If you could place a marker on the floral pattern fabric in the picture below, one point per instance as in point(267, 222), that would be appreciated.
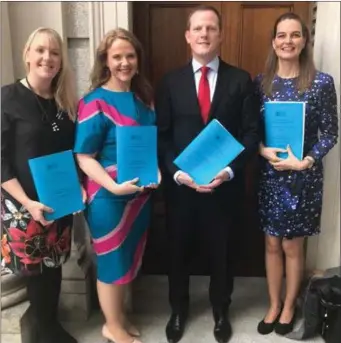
point(26, 245)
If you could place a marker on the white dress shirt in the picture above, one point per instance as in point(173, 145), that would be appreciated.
point(212, 76)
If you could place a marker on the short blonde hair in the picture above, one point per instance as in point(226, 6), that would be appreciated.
point(63, 86)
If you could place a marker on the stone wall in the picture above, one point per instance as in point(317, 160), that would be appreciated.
point(76, 19)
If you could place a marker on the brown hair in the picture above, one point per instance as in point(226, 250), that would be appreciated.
point(203, 8)
point(63, 87)
point(100, 73)
point(306, 62)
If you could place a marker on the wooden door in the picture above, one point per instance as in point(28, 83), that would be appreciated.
point(247, 26)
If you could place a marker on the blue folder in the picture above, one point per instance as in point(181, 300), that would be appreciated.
point(284, 125)
point(57, 184)
point(137, 154)
point(209, 153)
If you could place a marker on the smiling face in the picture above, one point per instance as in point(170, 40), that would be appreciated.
point(203, 35)
point(44, 56)
point(289, 41)
point(122, 61)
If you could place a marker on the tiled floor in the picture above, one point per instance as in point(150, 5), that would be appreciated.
point(151, 313)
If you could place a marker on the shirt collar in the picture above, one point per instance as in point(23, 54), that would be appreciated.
point(214, 64)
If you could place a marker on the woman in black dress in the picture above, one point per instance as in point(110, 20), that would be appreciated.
point(37, 115)
point(290, 196)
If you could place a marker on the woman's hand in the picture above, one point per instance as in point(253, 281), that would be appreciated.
point(84, 199)
point(156, 185)
point(84, 195)
point(36, 210)
point(128, 187)
point(291, 163)
point(270, 154)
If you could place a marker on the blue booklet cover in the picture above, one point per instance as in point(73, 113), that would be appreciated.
point(57, 184)
point(210, 152)
point(137, 154)
point(284, 124)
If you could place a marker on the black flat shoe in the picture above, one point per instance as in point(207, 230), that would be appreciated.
point(264, 328)
point(285, 328)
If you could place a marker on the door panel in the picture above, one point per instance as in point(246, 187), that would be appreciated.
point(247, 26)
point(160, 26)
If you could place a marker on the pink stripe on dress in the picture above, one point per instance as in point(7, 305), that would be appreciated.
point(117, 236)
point(93, 187)
point(132, 272)
point(88, 110)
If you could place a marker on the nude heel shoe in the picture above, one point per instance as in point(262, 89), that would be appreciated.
point(132, 329)
point(107, 335)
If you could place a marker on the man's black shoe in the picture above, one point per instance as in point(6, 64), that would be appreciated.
point(222, 328)
point(175, 327)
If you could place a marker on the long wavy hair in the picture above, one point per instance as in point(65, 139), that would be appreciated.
point(62, 86)
point(100, 73)
point(306, 63)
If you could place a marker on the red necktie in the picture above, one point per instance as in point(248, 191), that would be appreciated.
point(204, 94)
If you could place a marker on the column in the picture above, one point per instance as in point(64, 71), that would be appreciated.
point(324, 250)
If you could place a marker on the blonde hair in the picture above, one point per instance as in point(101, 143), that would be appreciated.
point(62, 85)
point(100, 73)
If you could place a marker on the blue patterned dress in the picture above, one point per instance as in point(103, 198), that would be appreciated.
point(290, 202)
point(118, 224)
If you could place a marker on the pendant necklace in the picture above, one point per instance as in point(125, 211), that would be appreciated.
point(45, 117)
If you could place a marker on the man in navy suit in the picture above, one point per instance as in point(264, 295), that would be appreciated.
point(186, 100)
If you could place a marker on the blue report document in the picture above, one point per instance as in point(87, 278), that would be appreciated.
point(137, 154)
point(209, 153)
point(284, 125)
point(56, 180)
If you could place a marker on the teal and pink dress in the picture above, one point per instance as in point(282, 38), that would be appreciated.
point(118, 224)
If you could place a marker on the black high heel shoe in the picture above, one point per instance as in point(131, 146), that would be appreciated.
point(285, 328)
point(266, 328)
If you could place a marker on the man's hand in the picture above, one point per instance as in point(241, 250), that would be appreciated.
point(221, 177)
point(185, 179)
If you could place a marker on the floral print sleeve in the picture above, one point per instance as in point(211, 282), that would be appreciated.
point(327, 116)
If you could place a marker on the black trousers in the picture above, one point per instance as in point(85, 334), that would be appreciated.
point(204, 218)
point(43, 293)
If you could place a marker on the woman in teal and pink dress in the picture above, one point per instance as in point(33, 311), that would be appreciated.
point(117, 214)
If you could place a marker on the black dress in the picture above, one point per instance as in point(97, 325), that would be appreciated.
point(31, 126)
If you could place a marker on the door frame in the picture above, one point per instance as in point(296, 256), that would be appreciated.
point(104, 16)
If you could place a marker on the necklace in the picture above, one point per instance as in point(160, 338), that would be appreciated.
point(45, 116)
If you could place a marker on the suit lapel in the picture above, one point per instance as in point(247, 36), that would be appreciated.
point(190, 89)
point(220, 89)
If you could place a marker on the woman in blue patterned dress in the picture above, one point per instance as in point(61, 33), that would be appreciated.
point(290, 197)
point(117, 214)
